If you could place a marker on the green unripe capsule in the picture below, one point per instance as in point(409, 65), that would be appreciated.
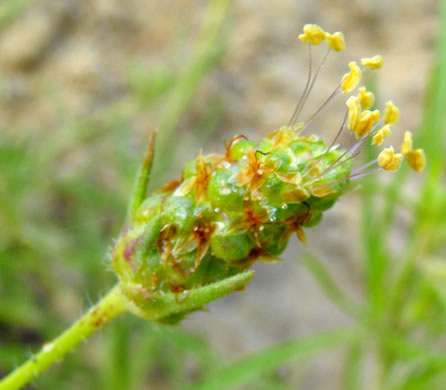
point(222, 191)
point(231, 246)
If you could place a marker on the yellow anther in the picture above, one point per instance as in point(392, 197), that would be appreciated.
point(365, 123)
point(373, 62)
point(390, 161)
point(406, 147)
point(416, 159)
point(335, 41)
point(354, 109)
point(366, 98)
point(351, 79)
point(391, 113)
point(313, 34)
point(381, 135)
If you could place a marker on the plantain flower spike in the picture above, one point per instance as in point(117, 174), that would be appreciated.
point(194, 239)
point(351, 79)
point(335, 41)
point(391, 113)
point(366, 98)
point(373, 62)
point(313, 34)
point(390, 161)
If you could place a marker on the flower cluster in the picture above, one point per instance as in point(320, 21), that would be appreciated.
point(363, 122)
point(229, 210)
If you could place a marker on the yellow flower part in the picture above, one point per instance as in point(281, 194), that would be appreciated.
point(354, 109)
point(373, 62)
point(391, 113)
point(365, 122)
point(416, 159)
point(390, 161)
point(313, 34)
point(351, 79)
point(335, 41)
point(406, 147)
point(366, 98)
point(381, 135)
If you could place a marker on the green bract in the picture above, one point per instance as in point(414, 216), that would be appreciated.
point(226, 212)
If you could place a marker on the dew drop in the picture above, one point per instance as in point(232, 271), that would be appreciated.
point(284, 206)
point(217, 210)
point(47, 347)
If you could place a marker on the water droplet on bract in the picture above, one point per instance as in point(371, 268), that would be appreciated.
point(272, 219)
point(217, 210)
point(284, 206)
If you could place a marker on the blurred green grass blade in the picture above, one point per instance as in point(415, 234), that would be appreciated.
point(210, 49)
point(352, 370)
point(10, 9)
point(246, 369)
point(331, 290)
point(117, 361)
point(374, 244)
point(432, 138)
point(433, 134)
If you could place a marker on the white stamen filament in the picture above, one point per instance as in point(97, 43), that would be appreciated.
point(299, 103)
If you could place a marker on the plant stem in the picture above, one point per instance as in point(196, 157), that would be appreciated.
point(111, 306)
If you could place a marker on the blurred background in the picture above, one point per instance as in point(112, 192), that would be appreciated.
point(83, 83)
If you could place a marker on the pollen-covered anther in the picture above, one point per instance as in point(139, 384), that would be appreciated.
point(351, 80)
point(389, 161)
point(406, 146)
point(416, 159)
point(374, 62)
point(366, 121)
point(335, 41)
point(313, 34)
point(354, 109)
point(381, 135)
point(391, 113)
point(366, 98)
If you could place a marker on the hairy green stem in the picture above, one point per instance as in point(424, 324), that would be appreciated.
point(165, 306)
point(111, 306)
